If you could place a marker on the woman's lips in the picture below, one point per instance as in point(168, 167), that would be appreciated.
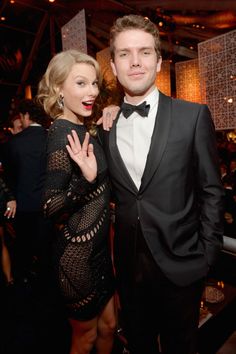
point(88, 105)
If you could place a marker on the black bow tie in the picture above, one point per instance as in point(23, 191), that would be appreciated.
point(142, 109)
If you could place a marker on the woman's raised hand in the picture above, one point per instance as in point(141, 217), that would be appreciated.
point(83, 155)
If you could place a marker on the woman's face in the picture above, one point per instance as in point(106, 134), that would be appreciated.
point(80, 90)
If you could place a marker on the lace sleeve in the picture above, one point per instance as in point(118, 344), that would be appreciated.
point(65, 187)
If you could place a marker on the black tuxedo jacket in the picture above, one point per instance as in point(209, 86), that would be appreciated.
point(180, 201)
point(26, 166)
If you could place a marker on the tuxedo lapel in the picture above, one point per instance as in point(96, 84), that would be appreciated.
point(159, 139)
point(118, 165)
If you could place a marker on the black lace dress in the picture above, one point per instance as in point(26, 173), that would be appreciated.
point(80, 212)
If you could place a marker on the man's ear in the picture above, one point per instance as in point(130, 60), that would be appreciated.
point(159, 64)
point(113, 67)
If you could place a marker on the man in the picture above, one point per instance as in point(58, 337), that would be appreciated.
point(164, 169)
point(15, 124)
point(165, 175)
point(25, 170)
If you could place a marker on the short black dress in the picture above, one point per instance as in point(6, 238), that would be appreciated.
point(80, 212)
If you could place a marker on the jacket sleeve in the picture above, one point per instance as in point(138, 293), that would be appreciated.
point(210, 189)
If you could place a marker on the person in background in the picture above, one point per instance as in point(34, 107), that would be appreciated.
point(230, 207)
point(25, 170)
point(232, 171)
point(7, 210)
point(76, 199)
point(7, 203)
point(163, 165)
point(15, 124)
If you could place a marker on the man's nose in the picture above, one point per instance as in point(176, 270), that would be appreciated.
point(135, 60)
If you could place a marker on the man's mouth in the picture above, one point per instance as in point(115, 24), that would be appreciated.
point(136, 74)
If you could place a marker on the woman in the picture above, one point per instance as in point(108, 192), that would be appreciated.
point(8, 210)
point(78, 202)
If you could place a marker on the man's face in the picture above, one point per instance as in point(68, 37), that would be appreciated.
point(135, 63)
point(25, 120)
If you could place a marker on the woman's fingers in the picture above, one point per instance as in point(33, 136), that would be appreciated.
point(74, 147)
point(85, 142)
point(10, 210)
point(74, 141)
point(109, 114)
point(90, 149)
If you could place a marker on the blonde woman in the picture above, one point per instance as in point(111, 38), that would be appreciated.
point(77, 199)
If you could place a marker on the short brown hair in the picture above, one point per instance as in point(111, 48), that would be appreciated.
point(134, 22)
point(35, 111)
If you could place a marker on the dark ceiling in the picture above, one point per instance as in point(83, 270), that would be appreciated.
point(30, 32)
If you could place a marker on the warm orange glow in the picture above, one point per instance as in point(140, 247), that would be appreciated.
point(51, 0)
point(188, 81)
point(28, 93)
point(3, 18)
point(12, 1)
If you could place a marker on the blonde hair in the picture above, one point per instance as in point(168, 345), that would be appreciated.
point(130, 22)
point(57, 72)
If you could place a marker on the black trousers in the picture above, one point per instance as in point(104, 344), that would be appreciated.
point(153, 306)
point(32, 243)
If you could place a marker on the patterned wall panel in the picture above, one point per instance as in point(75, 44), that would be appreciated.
point(163, 78)
point(73, 33)
point(217, 69)
point(188, 81)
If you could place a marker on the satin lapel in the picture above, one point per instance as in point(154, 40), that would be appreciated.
point(159, 139)
point(120, 169)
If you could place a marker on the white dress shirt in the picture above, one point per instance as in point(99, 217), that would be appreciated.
point(134, 138)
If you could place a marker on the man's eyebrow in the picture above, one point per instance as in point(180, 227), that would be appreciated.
point(128, 49)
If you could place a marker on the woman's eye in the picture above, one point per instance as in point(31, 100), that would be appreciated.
point(80, 83)
point(95, 84)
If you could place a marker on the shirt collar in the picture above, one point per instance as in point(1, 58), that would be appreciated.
point(35, 125)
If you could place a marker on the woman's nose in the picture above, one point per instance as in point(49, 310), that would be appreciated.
point(93, 90)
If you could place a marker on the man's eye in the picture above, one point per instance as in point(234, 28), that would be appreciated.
point(146, 52)
point(123, 54)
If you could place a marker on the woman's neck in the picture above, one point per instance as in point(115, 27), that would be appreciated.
point(76, 120)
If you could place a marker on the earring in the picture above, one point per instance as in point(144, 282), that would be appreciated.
point(60, 101)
